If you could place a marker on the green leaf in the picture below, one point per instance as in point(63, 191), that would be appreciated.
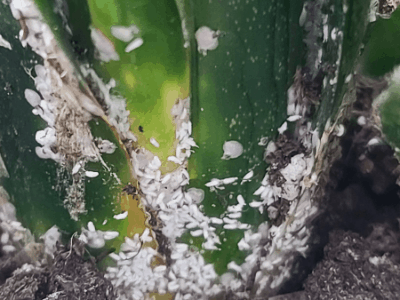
point(239, 94)
point(32, 184)
point(390, 112)
point(152, 77)
point(38, 186)
point(349, 21)
point(381, 53)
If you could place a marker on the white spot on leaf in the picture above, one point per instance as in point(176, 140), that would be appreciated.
point(232, 149)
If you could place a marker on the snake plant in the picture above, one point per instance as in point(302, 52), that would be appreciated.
point(189, 88)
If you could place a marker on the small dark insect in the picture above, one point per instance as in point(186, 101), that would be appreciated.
point(130, 189)
point(141, 128)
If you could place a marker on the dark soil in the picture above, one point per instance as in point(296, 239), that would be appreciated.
point(361, 209)
point(68, 277)
point(349, 272)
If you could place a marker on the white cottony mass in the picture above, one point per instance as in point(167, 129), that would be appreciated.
point(207, 39)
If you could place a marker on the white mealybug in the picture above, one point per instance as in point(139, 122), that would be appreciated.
point(173, 286)
point(234, 208)
point(303, 15)
point(32, 97)
point(8, 248)
point(154, 142)
point(361, 121)
point(91, 174)
point(230, 226)
point(241, 200)
point(233, 266)
point(122, 255)
point(46, 136)
point(90, 105)
point(339, 130)
point(294, 118)
point(136, 43)
point(244, 226)
point(235, 215)
point(4, 43)
point(229, 221)
point(242, 245)
point(109, 235)
point(114, 256)
point(373, 141)
point(91, 227)
point(255, 204)
point(348, 78)
point(271, 147)
point(326, 33)
point(121, 216)
point(174, 159)
point(4, 238)
point(216, 220)
point(76, 168)
point(198, 232)
point(160, 198)
point(124, 33)
point(160, 269)
point(155, 164)
point(259, 191)
point(334, 34)
point(229, 180)
point(145, 236)
point(283, 128)
point(105, 48)
point(213, 182)
point(181, 247)
point(248, 175)
point(166, 178)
